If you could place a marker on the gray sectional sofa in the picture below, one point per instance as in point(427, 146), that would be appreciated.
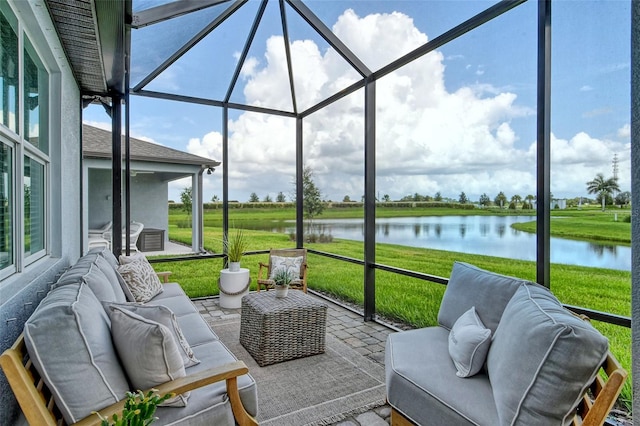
point(70, 340)
point(519, 359)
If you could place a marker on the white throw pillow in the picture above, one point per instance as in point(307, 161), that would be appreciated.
point(140, 278)
point(469, 342)
point(148, 351)
point(165, 316)
point(290, 264)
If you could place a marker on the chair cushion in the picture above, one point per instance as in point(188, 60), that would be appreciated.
point(469, 342)
point(471, 286)
point(422, 384)
point(162, 315)
point(69, 342)
point(291, 264)
point(148, 351)
point(541, 359)
point(141, 279)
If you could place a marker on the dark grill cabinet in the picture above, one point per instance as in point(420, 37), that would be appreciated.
point(151, 239)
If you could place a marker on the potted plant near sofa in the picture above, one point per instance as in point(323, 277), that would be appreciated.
point(236, 245)
point(234, 281)
point(282, 278)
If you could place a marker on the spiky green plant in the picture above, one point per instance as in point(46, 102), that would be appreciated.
point(282, 276)
point(237, 244)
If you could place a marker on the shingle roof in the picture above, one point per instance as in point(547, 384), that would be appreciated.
point(96, 143)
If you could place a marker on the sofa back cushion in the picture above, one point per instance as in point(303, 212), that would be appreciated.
point(87, 271)
point(541, 359)
point(106, 255)
point(471, 286)
point(69, 342)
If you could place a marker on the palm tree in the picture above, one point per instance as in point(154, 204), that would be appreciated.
point(603, 187)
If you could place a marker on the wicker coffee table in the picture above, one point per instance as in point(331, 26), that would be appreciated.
point(274, 330)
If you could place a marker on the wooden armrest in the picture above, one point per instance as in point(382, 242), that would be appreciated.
point(164, 275)
point(228, 372)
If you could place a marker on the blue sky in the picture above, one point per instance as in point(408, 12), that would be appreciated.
point(459, 119)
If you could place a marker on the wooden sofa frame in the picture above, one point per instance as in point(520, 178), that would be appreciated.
point(595, 405)
point(40, 409)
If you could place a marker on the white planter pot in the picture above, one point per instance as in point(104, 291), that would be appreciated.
point(233, 285)
point(234, 266)
point(281, 290)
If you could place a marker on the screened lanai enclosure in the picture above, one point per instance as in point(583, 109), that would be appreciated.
point(345, 87)
point(380, 99)
point(212, 54)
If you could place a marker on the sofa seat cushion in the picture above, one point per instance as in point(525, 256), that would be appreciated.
point(69, 342)
point(174, 298)
point(471, 286)
point(210, 405)
point(195, 329)
point(541, 359)
point(422, 383)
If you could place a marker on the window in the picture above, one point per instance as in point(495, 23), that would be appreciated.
point(36, 88)
point(9, 69)
point(24, 147)
point(6, 207)
point(33, 206)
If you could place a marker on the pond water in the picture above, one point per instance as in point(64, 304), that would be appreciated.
point(487, 235)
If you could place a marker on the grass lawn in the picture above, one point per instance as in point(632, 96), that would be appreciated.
point(407, 299)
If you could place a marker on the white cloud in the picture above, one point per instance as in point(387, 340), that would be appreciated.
point(428, 139)
point(586, 88)
point(625, 131)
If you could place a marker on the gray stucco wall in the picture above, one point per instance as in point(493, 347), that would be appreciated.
point(149, 202)
point(148, 199)
point(635, 196)
point(21, 293)
point(99, 197)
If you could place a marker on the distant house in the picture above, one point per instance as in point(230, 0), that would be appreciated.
point(152, 167)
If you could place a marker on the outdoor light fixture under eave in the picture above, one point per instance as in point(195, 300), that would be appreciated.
point(210, 170)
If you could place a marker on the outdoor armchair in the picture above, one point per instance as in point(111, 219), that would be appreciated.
point(135, 231)
point(99, 232)
point(295, 260)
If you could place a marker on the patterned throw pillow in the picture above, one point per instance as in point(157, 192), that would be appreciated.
point(141, 279)
point(291, 264)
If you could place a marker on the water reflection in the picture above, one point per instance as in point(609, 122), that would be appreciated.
point(490, 235)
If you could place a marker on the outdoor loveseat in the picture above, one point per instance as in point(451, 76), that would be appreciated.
point(86, 345)
point(505, 352)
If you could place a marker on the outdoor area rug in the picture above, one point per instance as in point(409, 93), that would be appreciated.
point(316, 390)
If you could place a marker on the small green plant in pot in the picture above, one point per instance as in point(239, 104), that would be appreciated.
point(236, 245)
point(139, 409)
point(282, 278)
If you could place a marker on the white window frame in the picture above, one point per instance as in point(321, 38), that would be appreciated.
point(21, 147)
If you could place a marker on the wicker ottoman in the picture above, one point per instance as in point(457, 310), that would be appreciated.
point(275, 330)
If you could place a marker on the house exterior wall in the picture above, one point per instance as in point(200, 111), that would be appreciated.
point(21, 292)
point(148, 199)
point(99, 198)
point(149, 202)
